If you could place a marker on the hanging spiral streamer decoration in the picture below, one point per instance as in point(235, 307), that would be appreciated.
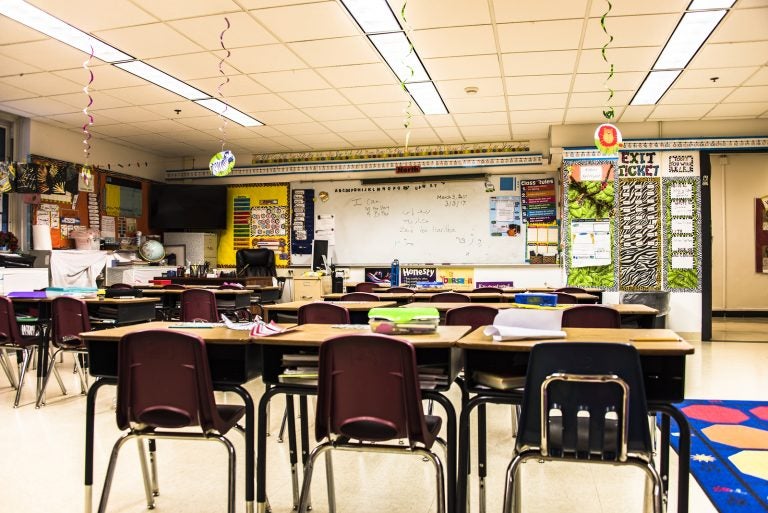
point(408, 116)
point(608, 139)
point(608, 112)
point(85, 170)
point(223, 162)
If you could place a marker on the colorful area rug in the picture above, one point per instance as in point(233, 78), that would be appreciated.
point(729, 452)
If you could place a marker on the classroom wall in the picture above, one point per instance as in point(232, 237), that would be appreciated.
point(737, 179)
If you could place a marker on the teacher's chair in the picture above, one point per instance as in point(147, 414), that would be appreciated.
point(368, 393)
point(164, 385)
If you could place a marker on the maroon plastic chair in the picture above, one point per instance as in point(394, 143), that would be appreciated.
point(323, 313)
point(120, 286)
point(591, 316)
point(368, 391)
point(199, 305)
point(70, 318)
point(564, 298)
point(570, 290)
point(366, 286)
point(400, 290)
point(488, 289)
point(163, 385)
point(449, 297)
point(359, 296)
point(471, 315)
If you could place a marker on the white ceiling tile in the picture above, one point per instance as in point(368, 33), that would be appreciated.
point(456, 88)
point(538, 84)
point(118, 129)
point(160, 126)
point(319, 20)
point(91, 16)
point(41, 106)
point(375, 94)
point(748, 4)
point(205, 122)
point(144, 41)
point(382, 110)
point(100, 100)
point(748, 94)
point(74, 121)
point(44, 84)
point(486, 118)
point(143, 94)
point(350, 125)
point(537, 101)
point(105, 76)
point(584, 115)
point(323, 141)
point(9, 66)
point(291, 80)
point(537, 116)
point(442, 13)
point(530, 130)
point(718, 55)
point(726, 77)
point(507, 11)
point(475, 104)
point(395, 122)
point(129, 114)
point(599, 99)
point(295, 129)
point(192, 65)
point(674, 112)
point(336, 52)
point(448, 133)
point(333, 113)
point(539, 63)
point(289, 142)
point(173, 9)
point(741, 25)
point(589, 82)
point(488, 133)
point(736, 110)
point(232, 131)
point(441, 120)
point(48, 54)
point(415, 136)
point(283, 117)
point(316, 98)
point(682, 96)
point(359, 75)
point(265, 58)
point(454, 41)
point(12, 31)
point(627, 31)
point(759, 78)
point(448, 68)
point(636, 113)
point(8, 92)
point(363, 136)
point(187, 109)
point(266, 131)
point(256, 103)
point(623, 59)
point(540, 35)
point(644, 7)
point(206, 31)
point(238, 85)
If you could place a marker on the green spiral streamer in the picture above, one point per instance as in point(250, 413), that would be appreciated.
point(608, 112)
point(408, 115)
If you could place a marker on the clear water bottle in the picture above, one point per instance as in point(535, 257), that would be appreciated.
point(394, 273)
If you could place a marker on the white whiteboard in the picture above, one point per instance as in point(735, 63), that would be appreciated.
point(417, 223)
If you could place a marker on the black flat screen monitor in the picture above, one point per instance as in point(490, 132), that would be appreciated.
point(187, 207)
point(319, 254)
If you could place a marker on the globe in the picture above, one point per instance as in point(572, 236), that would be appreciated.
point(151, 251)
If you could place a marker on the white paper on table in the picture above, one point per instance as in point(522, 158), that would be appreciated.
point(682, 225)
point(501, 333)
point(682, 262)
point(682, 209)
point(679, 243)
point(533, 318)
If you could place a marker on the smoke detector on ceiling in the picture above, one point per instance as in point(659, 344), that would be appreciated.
point(471, 90)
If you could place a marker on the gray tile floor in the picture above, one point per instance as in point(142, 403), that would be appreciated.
point(42, 454)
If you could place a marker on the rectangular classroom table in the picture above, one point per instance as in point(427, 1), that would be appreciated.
point(433, 349)
point(226, 299)
point(400, 297)
point(358, 310)
point(662, 356)
point(233, 358)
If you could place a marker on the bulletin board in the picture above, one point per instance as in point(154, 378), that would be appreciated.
point(257, 216)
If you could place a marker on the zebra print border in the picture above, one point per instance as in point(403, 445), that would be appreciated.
point(639, 230)
point(682, 280)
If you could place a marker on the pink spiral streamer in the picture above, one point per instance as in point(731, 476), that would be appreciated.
point(89, 116)
point(223, 127)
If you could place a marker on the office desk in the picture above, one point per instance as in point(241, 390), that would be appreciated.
point(112, 311)
point(233, 359)
point(663, 365)
point(358, 310)
point(434, 349)
point(400, 298)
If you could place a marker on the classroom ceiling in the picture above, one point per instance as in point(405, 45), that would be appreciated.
point(306, 70)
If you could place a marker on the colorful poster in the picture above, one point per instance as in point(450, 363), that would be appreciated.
point(539, 201)
point(505, 216)
point(456, 276)
point(409, 276)
point(639, 207)
point(590, 242)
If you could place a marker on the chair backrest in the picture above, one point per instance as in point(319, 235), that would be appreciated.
point(449, 297)
point(174, 286)
point(488, 289)
point(123, 292)
point(70, 318)
point(323, 313)
point(255, 262)
point(655, 299)
point(120, 286)
point(400, 290)
point(9, 328)
point(163, 380)
point(199, 304)
point(591, 316)
point(471, 315)
point(569, 290)
point(368, 389)
point(588, 358)
point(366, 286)
point(563, 298)
point(359, 296)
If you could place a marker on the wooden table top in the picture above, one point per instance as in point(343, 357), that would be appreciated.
point(381, 295)
point(92, 300)
point(581, 296)
point(352, 306)
point(647, 341)
point(213, 335)
point(315, 334)
point(161, 292)
point(473, 295)
point(623, 308)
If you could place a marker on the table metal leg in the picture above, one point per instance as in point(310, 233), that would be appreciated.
point(683, 453)
point(250, 422)
point(481, 454)
point(450, 413)
point(90, 412)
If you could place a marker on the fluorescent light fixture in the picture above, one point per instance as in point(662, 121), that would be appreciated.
point(41, 21)
point(426, 96)
point(690, 34)
point(703, 5)
point(397, 51)
point(219, 107)
point(654, 87)
point(372, 15)
point(164, 80)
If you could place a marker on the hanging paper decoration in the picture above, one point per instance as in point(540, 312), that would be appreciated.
point(88, 115)
point(608, 112)
point(222, 163)
point(407, 110)
point(608, 139)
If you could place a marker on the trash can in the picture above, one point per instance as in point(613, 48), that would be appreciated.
point(658, 299)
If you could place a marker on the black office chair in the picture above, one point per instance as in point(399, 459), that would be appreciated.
point(255, 262)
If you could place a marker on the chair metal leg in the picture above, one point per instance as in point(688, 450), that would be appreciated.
point(231, 472)
point(26, 358)
point(153, 467)
point(330, 483)
point(111, 471)
point(282, 426)
point(82, 374)
point(511, 492)
point(308, 470)
point(145, 474)
point(4, 363)
point(655, 491)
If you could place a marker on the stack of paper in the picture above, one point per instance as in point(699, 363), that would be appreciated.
point(522, 323)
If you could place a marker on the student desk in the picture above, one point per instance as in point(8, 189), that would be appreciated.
point(581, 297)
point(663, 365)
point(488, 297)
point(400, 297)
point(358, 310)
point(112, 311)
point(434, 349)
point(225, 298)
point(233, 359)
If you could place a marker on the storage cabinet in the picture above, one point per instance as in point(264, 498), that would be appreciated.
point(311, 287)
point(200, 247)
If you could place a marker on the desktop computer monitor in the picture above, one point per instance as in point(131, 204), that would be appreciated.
point(319, 254)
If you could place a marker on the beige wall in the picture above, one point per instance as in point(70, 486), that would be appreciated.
point(735, 185)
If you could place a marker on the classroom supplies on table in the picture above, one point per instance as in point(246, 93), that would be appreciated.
point(391, 321)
